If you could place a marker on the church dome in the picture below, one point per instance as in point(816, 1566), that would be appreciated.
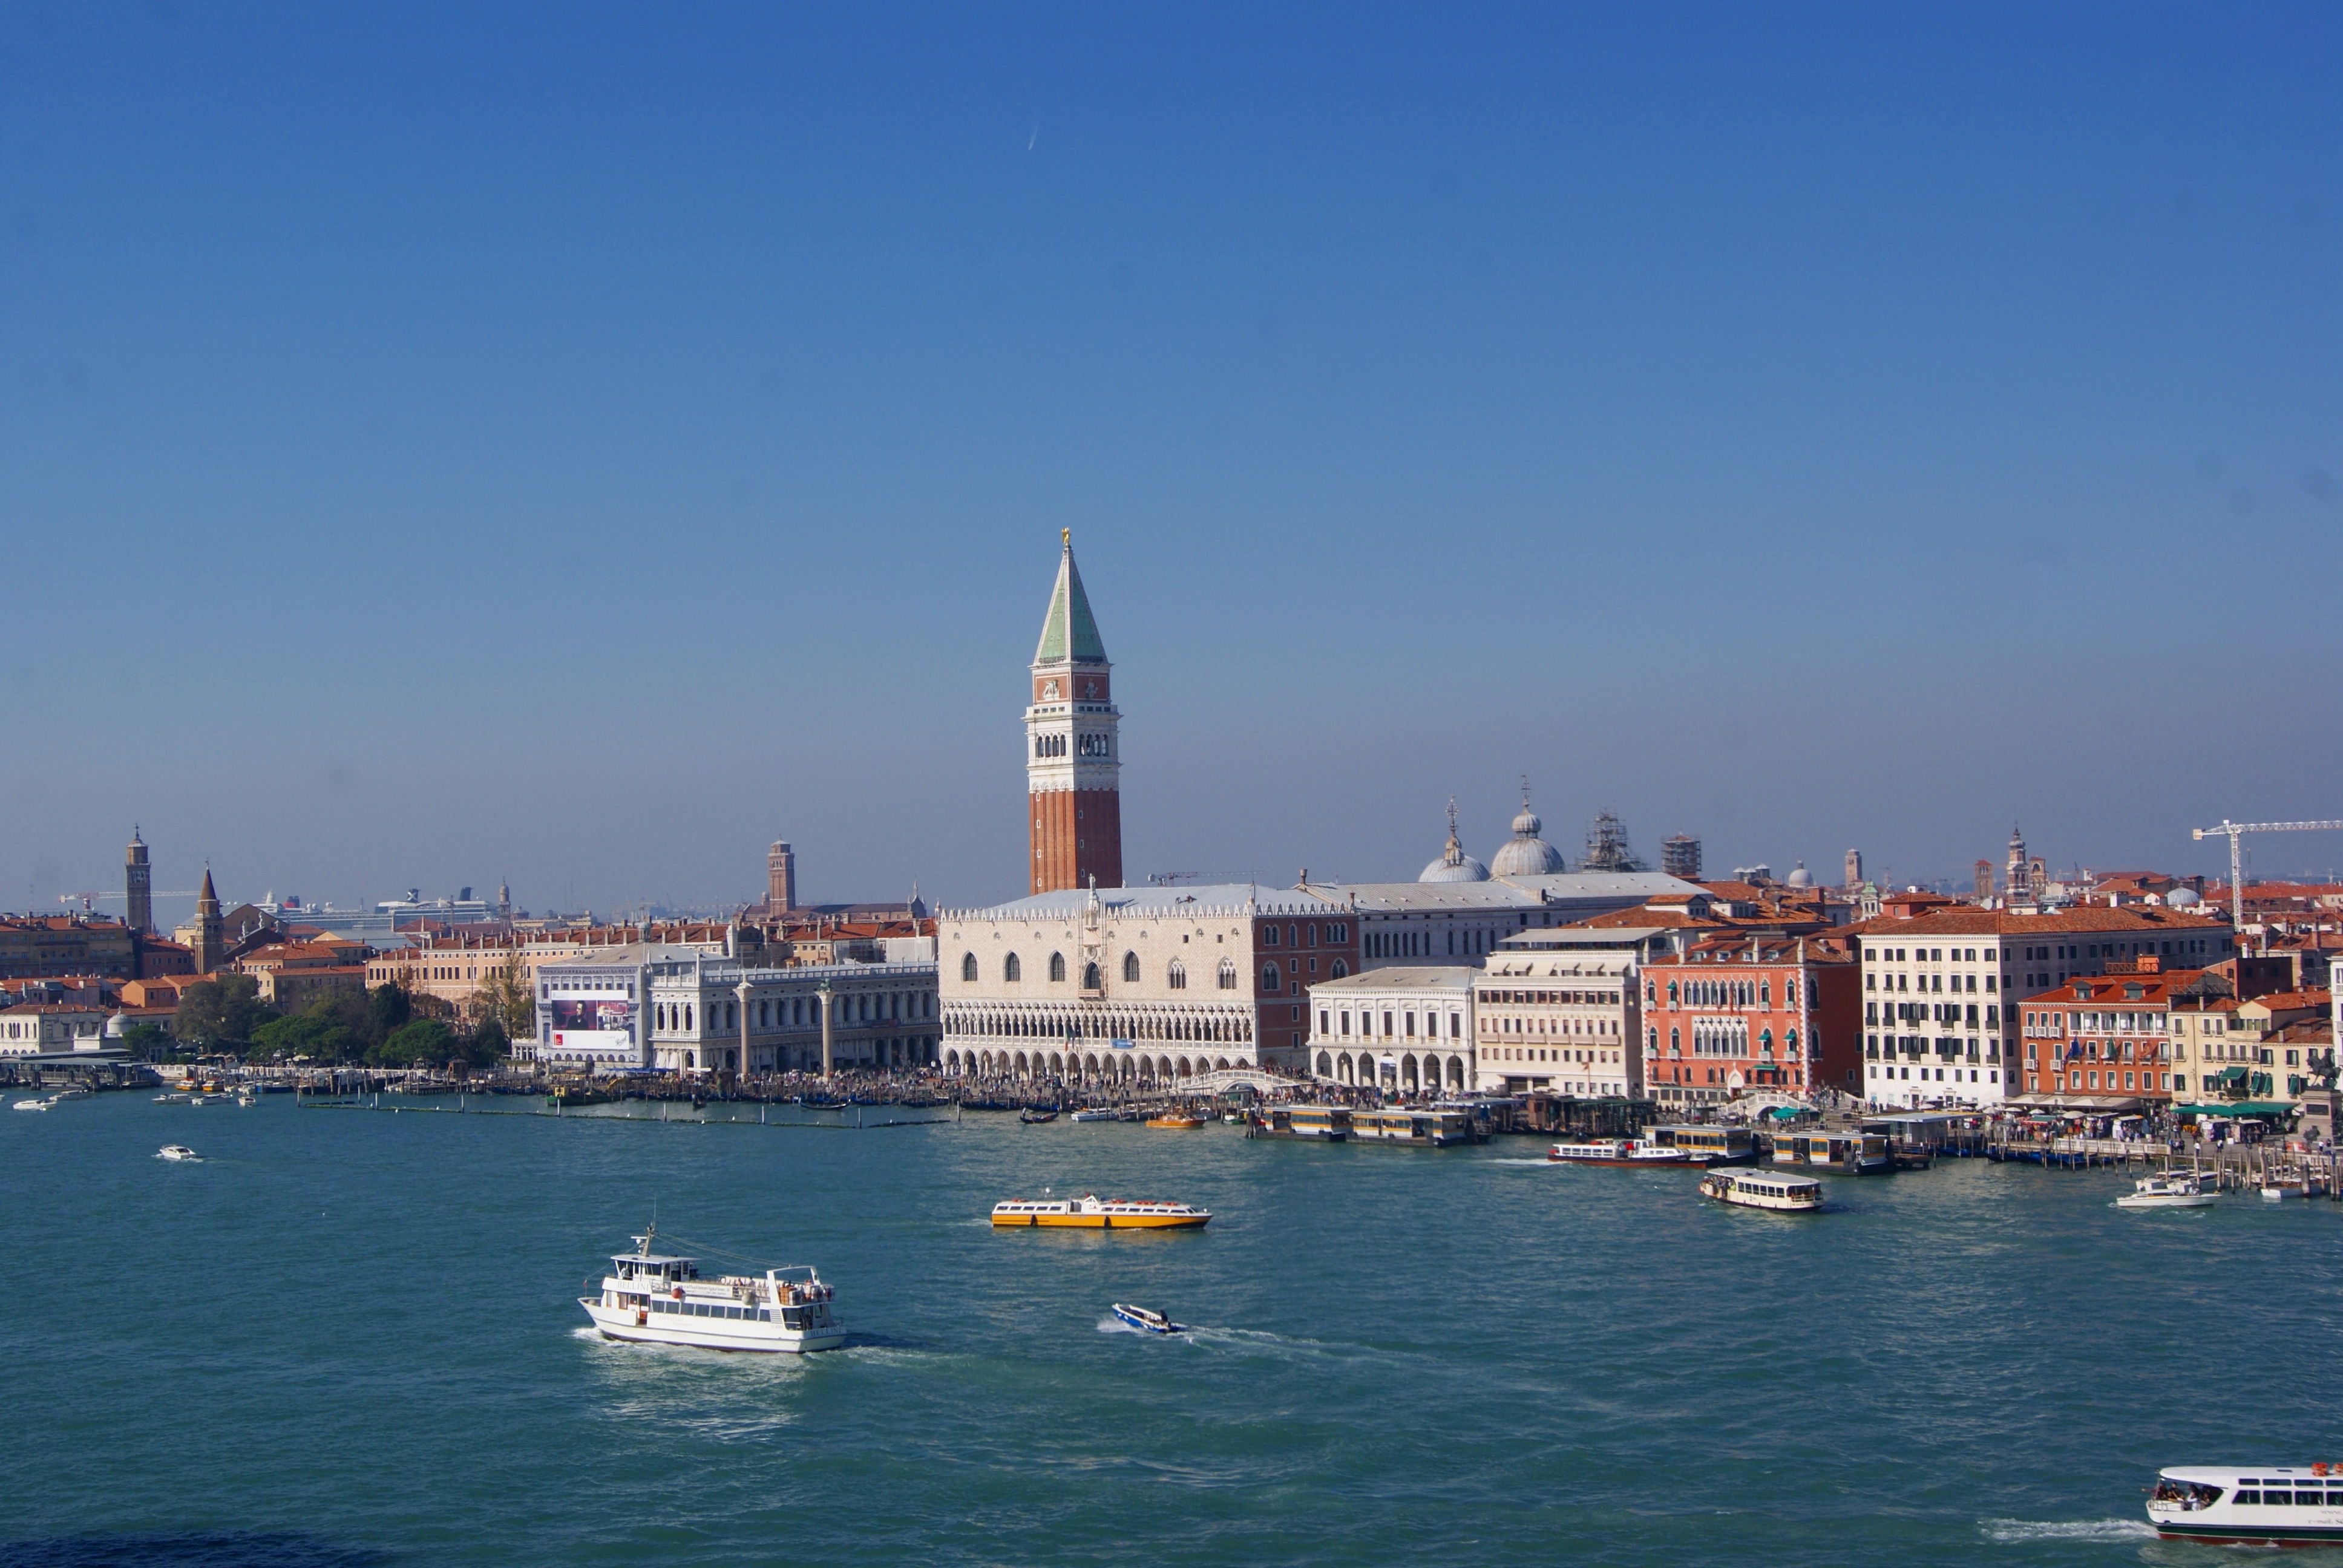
point(1525, 854)
point(1801, 877)
point(1454, 865)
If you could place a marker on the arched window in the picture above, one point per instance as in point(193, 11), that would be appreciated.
point(1177, 976)
point(1765, 993)
point(1671, 993)
point(1341, 969)
point(1228, 976)
point(1270, 980)
point(1056, 966)
point(1675, 1041)
point(1089, 977)
point(1131, 968)
point(1010, 970)
point(968, 967)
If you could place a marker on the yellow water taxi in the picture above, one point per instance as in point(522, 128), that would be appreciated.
point(1091, 1211)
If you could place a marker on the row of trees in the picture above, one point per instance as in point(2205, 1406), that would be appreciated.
point(383, 1027)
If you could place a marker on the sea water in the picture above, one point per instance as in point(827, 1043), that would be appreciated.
point(352, 1337)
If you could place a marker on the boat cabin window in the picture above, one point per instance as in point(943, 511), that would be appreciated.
point(2249, 1497)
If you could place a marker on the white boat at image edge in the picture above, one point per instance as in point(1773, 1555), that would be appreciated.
point(2173, 1190)
point(2259, 1505)
point(658, 1297)
point(1763, 1189)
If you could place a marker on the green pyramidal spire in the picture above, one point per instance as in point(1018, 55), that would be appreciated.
point(1068, 632)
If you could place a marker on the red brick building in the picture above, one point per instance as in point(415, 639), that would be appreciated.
point(1735, 1014)
point(1073, 763)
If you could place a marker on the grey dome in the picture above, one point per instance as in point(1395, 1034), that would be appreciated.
point(1801, 877)
point(1525, 854)
point(1464, 868)
point(1454, 865)
point(2182, 898)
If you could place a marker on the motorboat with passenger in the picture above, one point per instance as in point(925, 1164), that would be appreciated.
point(176, 1151)
point(1148, 1321)
point(659, 1298)
point(1176, 1122)
point(2172, 1190)
point(2260, 1506)
point(1092, 1213)
point(1615, 1151)
point(32, 1105)
point(1763, 1189)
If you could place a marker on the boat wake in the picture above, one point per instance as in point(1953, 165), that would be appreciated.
point(1515, 1159)
point(2007, 1531)
point(1110, 1324)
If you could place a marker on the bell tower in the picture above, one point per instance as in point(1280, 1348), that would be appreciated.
point(1073, 759)
point(138, 886)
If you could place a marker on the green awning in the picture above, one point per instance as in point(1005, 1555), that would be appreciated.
point(2230, 1075)
point(1782, 1112)
point(2239, 1108)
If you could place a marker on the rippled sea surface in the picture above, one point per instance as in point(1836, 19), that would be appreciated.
point(351, 1337)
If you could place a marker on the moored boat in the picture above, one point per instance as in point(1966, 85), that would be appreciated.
point(1763, 1189)
point(659, 1298)
point(1175, 1122)
point(1414, 1128)
point(1093, 1114)
point(1848, 1154)
point(2260, 1506)
point(2173, 1190)
point(1310, 1123)
point(1091, 1213)
point(1615, 1151)
point(1148, 1321)
point(1708, 1145)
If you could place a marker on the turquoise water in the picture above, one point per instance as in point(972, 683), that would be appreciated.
point(350, 1337)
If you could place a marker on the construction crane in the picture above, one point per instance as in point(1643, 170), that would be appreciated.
point(2236, 831)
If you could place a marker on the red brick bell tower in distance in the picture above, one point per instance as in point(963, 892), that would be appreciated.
point(1072, 760)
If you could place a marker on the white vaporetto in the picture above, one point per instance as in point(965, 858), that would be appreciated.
point(659, 1298)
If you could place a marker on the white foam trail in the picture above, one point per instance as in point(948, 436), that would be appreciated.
point(2015, 1530)
point(1110, 1324)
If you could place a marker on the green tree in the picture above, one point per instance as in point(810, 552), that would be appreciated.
point(387, 1008)
point(220, 1014)
point(147, 1041)
point(508, 1000)
point(418, 1042)
point(316, 1034)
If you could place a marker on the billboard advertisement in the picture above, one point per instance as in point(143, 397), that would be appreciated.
point(600, 1026)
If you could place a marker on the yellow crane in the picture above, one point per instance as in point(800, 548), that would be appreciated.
point(2237, 861)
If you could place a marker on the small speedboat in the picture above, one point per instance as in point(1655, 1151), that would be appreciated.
point(1148, 1321)
point(2173, 1190)
point(1034, 1116)
point(176, 1151)
point(1091, 1116)
point(32, 1105)
point(1181, 1123)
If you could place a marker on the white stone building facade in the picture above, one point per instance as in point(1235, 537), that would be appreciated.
point(1403, 1029)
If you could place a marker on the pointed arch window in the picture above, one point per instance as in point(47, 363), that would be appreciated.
point(1089, 977)
point(1341, 969)
point(1131, 968)
point(1270, 980)
point(1010, 970)
point(1228, 976)
point(1177, 976)
point(1056, 966)
point(968, 967)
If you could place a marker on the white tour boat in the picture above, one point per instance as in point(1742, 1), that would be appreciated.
point(2173, 1190)
point(659, 1298)
point(176, 1151)
point(1763, 1189)
point(2262, 1505)
point(1616, 1151)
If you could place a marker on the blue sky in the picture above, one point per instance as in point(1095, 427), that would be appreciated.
point(579, 445)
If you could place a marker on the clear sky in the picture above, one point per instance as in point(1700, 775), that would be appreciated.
point(579, 445)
